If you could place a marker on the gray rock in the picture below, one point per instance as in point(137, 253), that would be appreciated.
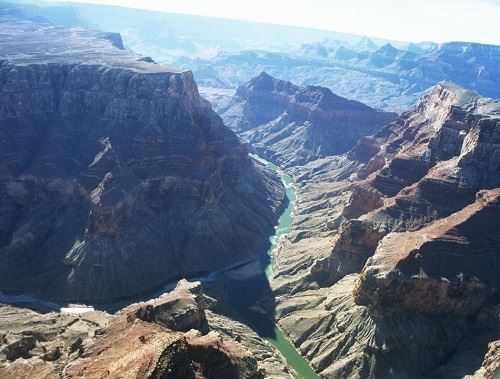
point(116, 177)
point(293, 125)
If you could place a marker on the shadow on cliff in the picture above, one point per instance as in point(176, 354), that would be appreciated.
point(252, 298)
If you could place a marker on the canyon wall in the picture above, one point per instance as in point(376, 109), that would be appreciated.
point(293, 125)
point(115, 176)
point(391, 268)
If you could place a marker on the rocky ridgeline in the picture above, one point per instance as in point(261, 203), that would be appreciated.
point(164, 338)
point(428, 164)
point(385, 77)
point(115, 175)
point(293, 125)
point(391, 268)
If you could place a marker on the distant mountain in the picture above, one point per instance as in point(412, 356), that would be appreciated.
point(389, 77)
point(293, 125)
point(168, 36)
point(366, 44)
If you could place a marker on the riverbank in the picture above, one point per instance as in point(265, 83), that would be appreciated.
point(245, 288)
point(259, 321)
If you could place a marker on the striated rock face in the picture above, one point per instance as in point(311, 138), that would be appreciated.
point(343, 339)
point(293, 125)
point(115, 175)
point(391, 267)
point(426, 165)
point(450, 266)
point(96, 345)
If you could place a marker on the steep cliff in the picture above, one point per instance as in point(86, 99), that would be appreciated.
point(391, 266)
point(292, 125)
point(116, 176)
point(450, 266)
point(429, 163)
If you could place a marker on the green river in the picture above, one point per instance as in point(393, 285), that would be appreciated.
point(295, 361)
point(242, 294)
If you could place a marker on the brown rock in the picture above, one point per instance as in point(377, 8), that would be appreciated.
point(292, 125)
point(450, 266)
point(129, 346)
point(116, 176)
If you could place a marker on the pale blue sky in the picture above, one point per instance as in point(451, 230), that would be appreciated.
point(405, 20)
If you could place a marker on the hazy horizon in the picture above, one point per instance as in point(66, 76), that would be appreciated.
point(427, 20)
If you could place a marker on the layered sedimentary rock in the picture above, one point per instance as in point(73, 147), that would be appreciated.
point(115, 175)
point(292, 125)
point(168, 342)
point(450, 266)
point(391, 268)
point(426, 165)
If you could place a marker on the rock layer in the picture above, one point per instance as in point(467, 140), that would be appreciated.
point(426, 165)
point(390, 269)
point(293, 125)
point(450, 266)
point(115, 176)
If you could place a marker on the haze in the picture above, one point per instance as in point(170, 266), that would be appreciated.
point(425, 20)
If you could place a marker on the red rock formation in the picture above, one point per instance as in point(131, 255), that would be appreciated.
point(97, 345)
point(293, 125)
point(435, 158)
point(391, 268)
point(449, 266)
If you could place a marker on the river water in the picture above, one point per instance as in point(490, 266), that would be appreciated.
point(243, 299)
point(242, 294)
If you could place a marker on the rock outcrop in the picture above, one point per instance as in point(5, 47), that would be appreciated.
point(115, 175)
point(292, 125)
point(391, 267)
point(450, 266)
point(426, 165)
point(128, 344)
point(490, 369)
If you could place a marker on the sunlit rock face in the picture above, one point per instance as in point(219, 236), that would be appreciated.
point(292, 125)
point(426, 165)
point(392, 260)
point(116, 176)
point(166, 337)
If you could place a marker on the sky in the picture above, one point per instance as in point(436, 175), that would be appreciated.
point(403, 20)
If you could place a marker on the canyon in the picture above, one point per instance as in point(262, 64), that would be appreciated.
point(293, 125)
point(116, 176)
point(175, 336)
point(391, 266)
point(295, 233)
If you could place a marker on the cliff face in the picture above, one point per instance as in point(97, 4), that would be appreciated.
point(116, 176)
point(426, 165)
point(293, 125)
point(450, 266)
point(394, 246)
